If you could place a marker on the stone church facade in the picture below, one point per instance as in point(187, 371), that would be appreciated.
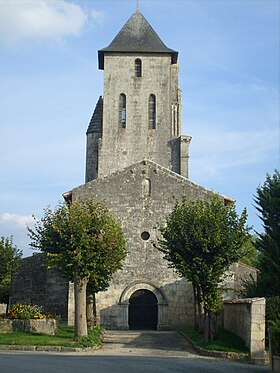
point(137, 162)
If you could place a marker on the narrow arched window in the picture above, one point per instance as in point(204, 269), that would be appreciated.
point(138, 68)
point(122, 111)
point(152, 112)
point(146, 187)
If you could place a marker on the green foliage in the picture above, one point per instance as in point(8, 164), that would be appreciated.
point(201, 239)
point(225, 341)
point(250, 288)
point(274, 332)
point(26, 311)
point(252, 254)
point(93, 339)
point(81, 240)
point(268, 243)
point(10, 258)
point(85, 243)
point(63, 337)
point(272, 308)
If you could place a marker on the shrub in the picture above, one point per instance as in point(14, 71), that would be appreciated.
point(272, 307)
point(25, 311)
point(93, 339)
point(274, 331)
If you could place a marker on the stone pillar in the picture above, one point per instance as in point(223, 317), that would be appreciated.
point(246, 318)
point(257, 347)
point(184, 155)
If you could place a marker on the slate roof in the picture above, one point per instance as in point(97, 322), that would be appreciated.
point(137, 36)
point(95, 124)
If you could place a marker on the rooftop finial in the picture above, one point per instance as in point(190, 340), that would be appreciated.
point(137, 6)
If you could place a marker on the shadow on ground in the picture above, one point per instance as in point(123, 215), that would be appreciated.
point(147, 340)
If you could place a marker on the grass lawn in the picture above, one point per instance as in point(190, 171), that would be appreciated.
point(64, 337)
point(226, 341)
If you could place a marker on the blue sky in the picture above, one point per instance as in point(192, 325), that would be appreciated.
point(50, 83)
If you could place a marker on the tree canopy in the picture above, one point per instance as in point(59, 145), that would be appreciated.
point(267, 202)
point(200, 240)
point(85, 243)
point(10, 258)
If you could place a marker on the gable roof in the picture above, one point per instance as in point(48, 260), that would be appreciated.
point(179, 178)
point(137, 36)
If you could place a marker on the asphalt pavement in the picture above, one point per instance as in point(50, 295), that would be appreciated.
point(125, 352)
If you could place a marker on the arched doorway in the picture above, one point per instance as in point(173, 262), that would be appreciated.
point(143, 310)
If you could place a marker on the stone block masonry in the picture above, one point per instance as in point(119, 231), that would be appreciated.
point(45, 326)
point(36, 284)
point(246, 318)
point(141, 196)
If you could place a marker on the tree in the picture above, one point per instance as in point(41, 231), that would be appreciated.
point(200, 240)
point(10, 258)
point(252, 254)
point(268, 242)
point(85, 243)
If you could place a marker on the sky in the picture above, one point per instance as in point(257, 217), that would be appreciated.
point(49, 85)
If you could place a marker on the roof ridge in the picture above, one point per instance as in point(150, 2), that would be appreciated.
point(165, 169)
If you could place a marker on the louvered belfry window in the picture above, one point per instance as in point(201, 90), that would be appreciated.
point(138, 68)
point(122, 111)
point(152, 112)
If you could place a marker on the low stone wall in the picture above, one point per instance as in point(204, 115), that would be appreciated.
point(36, 284)
point(46, 326)
point(246, 318)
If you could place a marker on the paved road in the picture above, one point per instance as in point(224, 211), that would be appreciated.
point(146, 343)
point(129, 352)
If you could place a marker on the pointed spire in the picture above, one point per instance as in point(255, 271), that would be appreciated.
point(137, 36)
point(95, 125)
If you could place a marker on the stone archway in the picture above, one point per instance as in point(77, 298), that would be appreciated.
point(126, 295)
point(143, 310)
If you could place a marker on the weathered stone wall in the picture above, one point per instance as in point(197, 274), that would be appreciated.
point(246, 318)
point(123, 147)
point(243, 272)
point(36, 284)
point(92, 156)
point(141, 197)
point(235, 276)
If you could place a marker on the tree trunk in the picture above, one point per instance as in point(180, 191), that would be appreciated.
point(199, 306)
point(94, 311)
point(80, 287)
point(206, 326)
point(90, 320)
point(195, 308)
point(213, 326)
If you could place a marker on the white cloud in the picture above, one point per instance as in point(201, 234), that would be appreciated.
point(15, 220)
point(98, 16)
point(39, 19)
point(16, 225)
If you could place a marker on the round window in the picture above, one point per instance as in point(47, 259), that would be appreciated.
point(145, 236)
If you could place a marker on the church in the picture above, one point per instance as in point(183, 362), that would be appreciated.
point(137, 162)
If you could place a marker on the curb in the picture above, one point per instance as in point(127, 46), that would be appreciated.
point(47, 348)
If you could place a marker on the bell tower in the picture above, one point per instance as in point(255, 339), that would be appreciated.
point(141, 106)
